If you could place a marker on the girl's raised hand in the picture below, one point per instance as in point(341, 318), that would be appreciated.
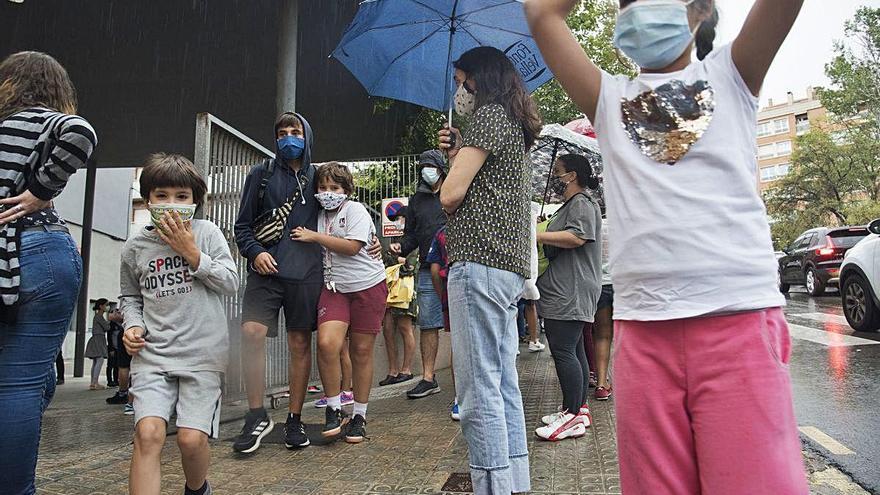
point(303, 234)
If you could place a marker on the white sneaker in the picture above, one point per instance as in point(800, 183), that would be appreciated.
point(551, 418)
point(586, 416)
point(584, 412)
point(536, 346)
point(567, 426)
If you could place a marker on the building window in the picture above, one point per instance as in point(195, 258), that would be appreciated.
point(772, 127)
point(774, 172)
point(773, 150)
point(783, 148)
point(802, 124)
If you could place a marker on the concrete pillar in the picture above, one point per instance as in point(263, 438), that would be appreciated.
point(288, 32)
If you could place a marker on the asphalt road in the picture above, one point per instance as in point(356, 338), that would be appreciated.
point(836, 379)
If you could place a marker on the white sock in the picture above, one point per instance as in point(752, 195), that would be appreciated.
point(360, 408)
point(456, 400)
point(335, 402)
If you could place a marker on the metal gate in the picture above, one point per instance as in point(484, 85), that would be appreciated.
point(224, 156)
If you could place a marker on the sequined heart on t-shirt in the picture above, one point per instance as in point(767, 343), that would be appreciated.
point(664, 123)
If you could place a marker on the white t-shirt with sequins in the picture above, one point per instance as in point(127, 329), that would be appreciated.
point(688, 232)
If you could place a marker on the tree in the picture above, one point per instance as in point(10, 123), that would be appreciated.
point(835, 172)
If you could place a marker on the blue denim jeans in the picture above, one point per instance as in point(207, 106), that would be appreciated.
point(482, 310)
point(51, 271)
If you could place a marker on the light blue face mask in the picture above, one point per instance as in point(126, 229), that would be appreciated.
point(654, 33)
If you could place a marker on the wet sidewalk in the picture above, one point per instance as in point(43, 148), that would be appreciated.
point(413, 448)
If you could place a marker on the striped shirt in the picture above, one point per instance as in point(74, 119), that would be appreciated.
point(23, 138)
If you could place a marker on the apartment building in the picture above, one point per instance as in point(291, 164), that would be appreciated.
point(778, 126)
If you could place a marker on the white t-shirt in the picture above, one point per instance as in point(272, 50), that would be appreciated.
point(350, 273)
point(688, 232)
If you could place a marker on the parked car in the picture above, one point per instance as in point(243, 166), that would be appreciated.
point(813, 259)
point(860, 282)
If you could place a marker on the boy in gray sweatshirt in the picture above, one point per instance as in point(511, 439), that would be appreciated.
point(174, 275)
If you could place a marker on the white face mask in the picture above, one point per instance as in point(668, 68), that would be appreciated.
point(330, 200)
point(465, 101)
point(431, 175)
point(158, 210)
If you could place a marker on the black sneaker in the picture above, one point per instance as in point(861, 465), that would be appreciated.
point(256, 426)
point(334, 420)
point(295, 434)
point(118, 398)
point(355, 430)
point(423, 389)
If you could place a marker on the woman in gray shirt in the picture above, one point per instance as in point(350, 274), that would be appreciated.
point(570, 289)
point(96, 349)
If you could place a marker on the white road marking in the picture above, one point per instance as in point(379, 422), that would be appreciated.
point(830, 339)
point(823, 317)
point(830, 444)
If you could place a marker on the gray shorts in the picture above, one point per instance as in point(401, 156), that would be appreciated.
point(194, 395)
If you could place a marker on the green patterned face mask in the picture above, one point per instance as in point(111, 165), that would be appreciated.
point(157, 211)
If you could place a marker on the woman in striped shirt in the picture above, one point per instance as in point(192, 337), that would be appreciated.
point(42, 143)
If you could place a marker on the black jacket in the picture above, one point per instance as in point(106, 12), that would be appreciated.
point(297, 261)
point(424, 217)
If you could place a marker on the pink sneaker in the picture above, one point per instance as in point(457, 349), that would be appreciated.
point(602, 393)
point(347, 398)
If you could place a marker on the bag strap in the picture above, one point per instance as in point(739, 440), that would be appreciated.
point(268, 167)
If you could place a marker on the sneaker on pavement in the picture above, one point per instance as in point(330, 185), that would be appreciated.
point(355, 430)
point(388, 380)
point(322, 402)
point(593, 381)
point(585, 415)
point(334, 420)
point(536, 346)
point(347, 398)
point(208, 490)
point(313, 389)
point(566, 426)
point(295, 434)
point(454, 412)
point(402, 377)
point(118, 398)
point(256, 427)
point(128, 410)
point(551, 418)
point(423, 389)
point(602, 393)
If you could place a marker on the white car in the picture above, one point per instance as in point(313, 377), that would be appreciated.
point(860, 282)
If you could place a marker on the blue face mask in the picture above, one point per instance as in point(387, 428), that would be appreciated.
point(654, 33)
point(291, 147)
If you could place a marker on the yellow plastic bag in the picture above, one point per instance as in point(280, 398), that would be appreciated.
point(401, 290)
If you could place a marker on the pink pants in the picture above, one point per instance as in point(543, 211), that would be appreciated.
point(704, 406)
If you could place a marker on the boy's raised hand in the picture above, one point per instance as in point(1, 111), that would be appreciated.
point(133, 340)
point(179, 237)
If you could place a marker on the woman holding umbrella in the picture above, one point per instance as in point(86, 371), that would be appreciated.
point(486, 196)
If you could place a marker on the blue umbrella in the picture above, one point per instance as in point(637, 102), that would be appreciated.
point(404, 49)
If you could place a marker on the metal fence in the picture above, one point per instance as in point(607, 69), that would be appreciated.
point(224, 156)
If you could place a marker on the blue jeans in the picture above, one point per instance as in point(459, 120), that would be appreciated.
point(521, 327)
point(482, 310)
point(51, 271)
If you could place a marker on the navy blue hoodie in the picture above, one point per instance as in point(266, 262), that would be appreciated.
point(297, 261)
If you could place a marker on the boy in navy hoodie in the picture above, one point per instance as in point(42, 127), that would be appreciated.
point(286, 275)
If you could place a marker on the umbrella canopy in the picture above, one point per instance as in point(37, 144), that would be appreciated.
point(404, 49)
point(554, 141)
point(582, 126)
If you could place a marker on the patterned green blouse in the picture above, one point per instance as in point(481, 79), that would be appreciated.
point(491, 227)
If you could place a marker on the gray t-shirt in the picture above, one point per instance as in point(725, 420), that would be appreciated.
point(181, 309)
point(571, 285)
point(350, 273)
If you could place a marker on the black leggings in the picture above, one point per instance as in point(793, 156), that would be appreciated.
point(566, 344)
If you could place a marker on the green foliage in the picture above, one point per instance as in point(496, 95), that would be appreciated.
point(835, 173)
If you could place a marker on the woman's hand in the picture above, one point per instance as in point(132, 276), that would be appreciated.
point(21, 205)
point(303, 234)
point(179, 237)
point(133, 340)
point(450, 140)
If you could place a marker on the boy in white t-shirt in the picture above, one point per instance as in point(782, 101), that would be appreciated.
point(353, 299)
point(702, 389)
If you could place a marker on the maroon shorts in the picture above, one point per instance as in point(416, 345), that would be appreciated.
point(363, 310)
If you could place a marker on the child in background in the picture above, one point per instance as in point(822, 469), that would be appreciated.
point(353, 298)
point(168, 269)
point(439, 260)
